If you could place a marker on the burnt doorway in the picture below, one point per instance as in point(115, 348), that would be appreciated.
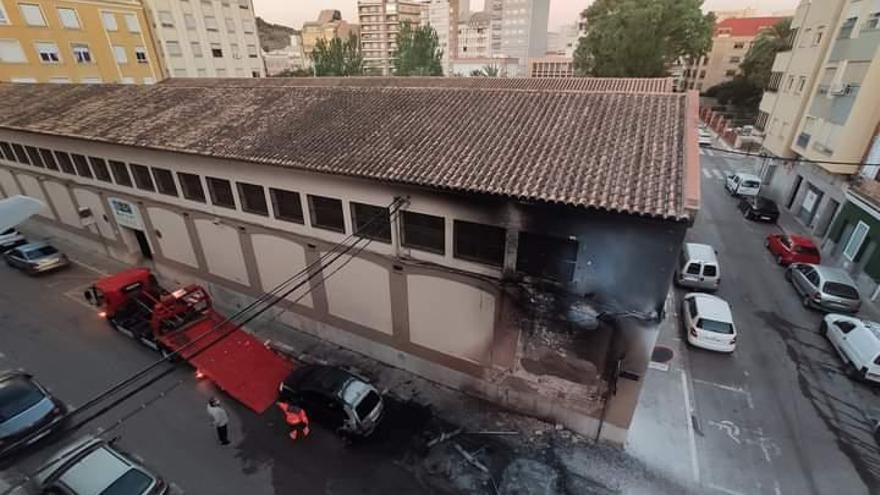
point(143, 244)
point(794, 191)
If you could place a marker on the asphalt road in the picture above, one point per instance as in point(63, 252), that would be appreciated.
point(779, 416)
point(46, 329)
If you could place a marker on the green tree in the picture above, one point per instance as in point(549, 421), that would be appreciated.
point(641, 38)
point(758, 62)
point(486, 71)
point(418, 52)
point(337, 57)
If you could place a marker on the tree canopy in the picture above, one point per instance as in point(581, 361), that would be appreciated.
point(758, 62)
point(486, 71)
point(641, 38)
point(418, 52)
point(337, 57)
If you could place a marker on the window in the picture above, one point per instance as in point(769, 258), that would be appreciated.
point(119, 54)
point(191, 186)
point(140, 54)
point(65, 163)
point(120, 173)
point(196, 48)
point(11, 52)
point(68, 18)
point(244, 4)
point(166, 19)
point(216, 50)
point(734, 60)
point(738, 45)
point(253, 198)
point(802, 81)
point(20, 154)
point(221, 192)
point(817, 38)
point(132, 23)
point(81, 53)
point(873, 22)
point(702, 74)
point(33, 15)
point(48, 159)
point(425, 232)
point(190, 21)
point(48, 53)
point(230, 25)
point(142, 178)
point(211, 23)
point(109, 21)
point(546, 257)
point(252, 51)
point(847, 27)
point(165, 181)
point(247, 26)
point(729, 73)
point(845, 326)
point(173, 48)
point(233, 48)
point(34, 156)
point(4, 18)
point(6, 151)
point(813, 277)
point(326, 213)
point(221, 72)
point(82, 166)
point(99, 166)
point(255, 74)
point(286, 205)
point(692, 307)
point(856, 239)
point(478, 242)
point(372, 222)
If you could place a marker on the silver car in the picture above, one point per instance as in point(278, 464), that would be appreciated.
point(36, 257)
point(91, 466)
point(824, 288)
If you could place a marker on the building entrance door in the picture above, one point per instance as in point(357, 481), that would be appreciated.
point(143, 244)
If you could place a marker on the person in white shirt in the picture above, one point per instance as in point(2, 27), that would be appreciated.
point(220, 420)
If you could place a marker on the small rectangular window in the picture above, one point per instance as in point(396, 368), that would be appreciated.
point(109, 21)
point(216, 50)
point(82, 166)
point(253, 198)
point(48, 53)
point(68, 18)
point(211, 23)
point(120, 55)
point(230, 25)
point(252, 51)
point(34, 156)
point(6, 151)
point(48, 159)
point(196, 48)
point(287, 205)
point(547, 257)
point(247, 26)
point(166, 19)
point(425, 232)
point(11, 52)
point(372, 222)
point(65, 163)
point(120, 173)
point(190, 21)
point(132, 23)
point(142, 178)
point(99, 165)
point(165, 181)
point(4, 17)
point(20, 154)
point(140, 54)
point(327, 213)
point(191, 186)
point(478, 242)
point(173, 48)
point(33, 15)
point(221, 192)
point(81, 53)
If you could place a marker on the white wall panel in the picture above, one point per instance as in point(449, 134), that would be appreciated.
point(222, 250)
point(32, 188)
point(360, 292)
point(277, 260)
point(174, 242)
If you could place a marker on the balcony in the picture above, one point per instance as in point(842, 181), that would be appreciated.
point(867, 189)
point(803, 140)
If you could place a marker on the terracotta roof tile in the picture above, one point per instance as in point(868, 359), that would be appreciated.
point(745, 26)
point(623, 152)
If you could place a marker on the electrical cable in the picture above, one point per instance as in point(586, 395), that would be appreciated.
point(797, 161)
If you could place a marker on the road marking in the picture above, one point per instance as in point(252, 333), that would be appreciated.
point(722, 489)
point(707, 174)
point(90, 267)
point(76, 295)
point(776, 488)
point(729, 388)
point(692, 439)
point(728, 427)
point(658, 366)
point(717, 173)
point(709, 152)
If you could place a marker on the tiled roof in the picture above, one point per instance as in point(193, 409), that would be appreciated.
point(622, 152)
point(745, 26)
point(589, 84)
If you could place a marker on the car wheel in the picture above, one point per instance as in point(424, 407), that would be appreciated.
point(823, 329)
point(780, 261)
point(747, 214)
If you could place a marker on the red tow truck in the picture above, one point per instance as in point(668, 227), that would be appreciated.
point(184, 322)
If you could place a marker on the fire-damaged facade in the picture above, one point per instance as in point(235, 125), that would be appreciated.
point(522, 232)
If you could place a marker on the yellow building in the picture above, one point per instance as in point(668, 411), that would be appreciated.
point(76, 41)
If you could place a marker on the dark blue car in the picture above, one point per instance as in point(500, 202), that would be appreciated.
point(25, 407)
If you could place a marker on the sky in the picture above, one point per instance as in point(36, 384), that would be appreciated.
point(294, 12)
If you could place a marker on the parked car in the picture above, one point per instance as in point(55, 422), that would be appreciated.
point(825, 288)
point(25, 408)
point(857, 342)
point(709, 322)
point(759, 208)
point(742, 184)
point(11, 238)
point(698, 267)
point(36, 257)
point(334, 397)
point(790, 249)
point(704, 137)
point(92, 466)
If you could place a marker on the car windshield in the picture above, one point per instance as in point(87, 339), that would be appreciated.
point(16, 396)
point(715, 326)
point(41, 252)
point(765, 204)
point(367, 404)
point(810, 250)
point(840, 290)
point(133, 482)
point(750, 183)
point(7, 232)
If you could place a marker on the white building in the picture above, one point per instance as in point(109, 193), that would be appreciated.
point(564, 41)
point(289, 58)
point(519, 28)
point(444, 17)
point(474, 36)
point(207, 38)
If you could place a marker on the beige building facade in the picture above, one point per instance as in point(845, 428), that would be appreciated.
point(551, 66)
point(329, 25)
point(380, 21)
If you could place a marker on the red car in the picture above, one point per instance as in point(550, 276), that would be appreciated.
point(790, 249)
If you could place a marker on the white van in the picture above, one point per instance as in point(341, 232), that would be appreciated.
point(698, 267)
point(858, 343)
point(743, 184)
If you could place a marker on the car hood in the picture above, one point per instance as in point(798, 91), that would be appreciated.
point(26, 418)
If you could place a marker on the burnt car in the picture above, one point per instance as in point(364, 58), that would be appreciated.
point(25, 408)
point(759, 208)
point(335, 398)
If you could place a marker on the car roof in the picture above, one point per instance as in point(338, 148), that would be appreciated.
point(873, 327)
point(95, 471)
point(799, 240)
point(319, 378)
point(32, 246)
point(831, 274)
point(712, 307)
point(746, 175)
point(701, 252)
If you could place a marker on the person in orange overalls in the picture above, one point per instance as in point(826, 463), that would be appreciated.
point(297, 420)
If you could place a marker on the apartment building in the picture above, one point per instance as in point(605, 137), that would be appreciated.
point(444, 16)
point(452, 255)
point(289, 58)
point(72, 41)
point(731, 41)
point(551, 66)
point(380, 21)
point(474, 39)
point(327, 26)
point(519, 28)
point(207, 38)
